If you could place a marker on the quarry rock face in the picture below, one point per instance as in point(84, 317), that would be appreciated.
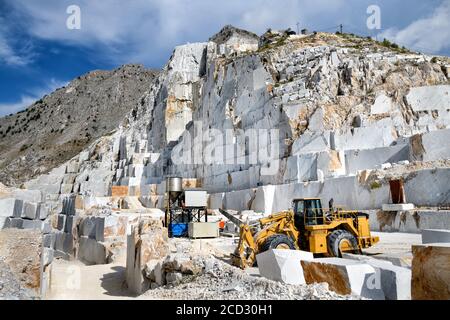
point(257, 126)
point(431, 272)
point(183, 71)
point(430, 98)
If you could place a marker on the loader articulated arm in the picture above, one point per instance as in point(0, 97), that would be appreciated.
point(281, 216)
point(251, 241)
point(245, 253)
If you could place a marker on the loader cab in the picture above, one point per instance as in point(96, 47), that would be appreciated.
point(306, 212)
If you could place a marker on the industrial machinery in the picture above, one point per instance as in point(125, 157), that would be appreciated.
point(183, 207)
point(307, 226)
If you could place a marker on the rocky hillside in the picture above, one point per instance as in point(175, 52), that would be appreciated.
point(60, 125)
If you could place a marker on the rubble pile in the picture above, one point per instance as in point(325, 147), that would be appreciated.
point(175, 269)
point(23, 272)
point(220, 281)
point(10, 287)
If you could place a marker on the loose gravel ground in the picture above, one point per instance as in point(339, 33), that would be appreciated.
point(224, 282)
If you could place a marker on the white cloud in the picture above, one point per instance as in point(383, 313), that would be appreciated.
point(430, 34)
point(8, 108)
point(28, 99)
point(8, 54)
point(143, 30)
point(146, 31)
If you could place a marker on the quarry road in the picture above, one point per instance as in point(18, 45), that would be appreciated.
point(72, 280)
point(394, 243)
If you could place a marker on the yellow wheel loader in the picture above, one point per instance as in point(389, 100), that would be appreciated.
point(307, 226)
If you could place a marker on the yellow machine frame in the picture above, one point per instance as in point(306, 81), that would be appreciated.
point(315, 235)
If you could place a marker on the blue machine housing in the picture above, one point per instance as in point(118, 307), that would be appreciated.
point(179, 229)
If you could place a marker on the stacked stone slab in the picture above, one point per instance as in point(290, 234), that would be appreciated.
point(423, 188)
point(65, 237)
point(355, 274)
point(399, 259)
point(91, 251)
point(99, 235)
point(80, 175)
point(435, 236)
point(283, 265)
point(395, 281)
point(357, 160)
point(10, 210)
point(16, 213)
point(430, 146)
point(415, 221)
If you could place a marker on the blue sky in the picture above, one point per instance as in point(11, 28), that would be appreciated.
point(38, 53)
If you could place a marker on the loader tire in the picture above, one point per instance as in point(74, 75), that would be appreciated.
point(278, 241)
point(335, 240)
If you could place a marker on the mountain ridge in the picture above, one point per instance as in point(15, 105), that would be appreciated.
point(64, 122)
